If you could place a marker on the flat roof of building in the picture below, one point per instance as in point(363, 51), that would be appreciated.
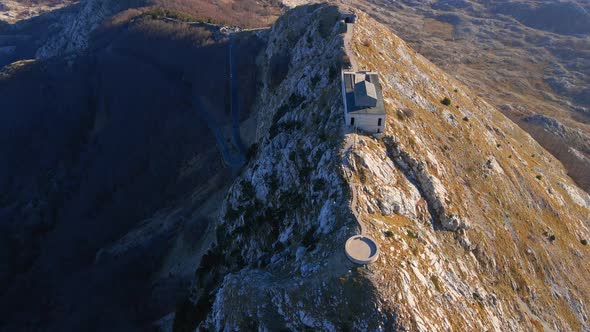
point(350, 81)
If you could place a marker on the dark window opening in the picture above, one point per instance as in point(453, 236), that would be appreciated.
point(348, 20)
point(378, 131)
point(352, 121)
point(379, 122)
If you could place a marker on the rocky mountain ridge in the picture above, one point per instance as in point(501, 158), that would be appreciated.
point(479, 226)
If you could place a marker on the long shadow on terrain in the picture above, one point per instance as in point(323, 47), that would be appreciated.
point(97, 144)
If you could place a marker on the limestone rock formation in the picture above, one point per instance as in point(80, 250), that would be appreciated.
point(76, 28)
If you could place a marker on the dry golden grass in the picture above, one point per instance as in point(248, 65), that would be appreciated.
point(510, 212)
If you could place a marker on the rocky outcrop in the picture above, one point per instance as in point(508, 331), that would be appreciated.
point(76, 28)
point(14, 11)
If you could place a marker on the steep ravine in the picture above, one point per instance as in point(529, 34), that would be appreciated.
point(479, 227)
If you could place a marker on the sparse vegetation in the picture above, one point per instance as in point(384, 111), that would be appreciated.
point(446, 101)
point(247, 191)
point(333, 72)
point(231, 214)
point(160, 13)
point(314, 80)
point(405, 113)
point(539, 177)
point(584, 242)
point(318, 185)
point(245, 13)
point(279, 68)
point(252, 150)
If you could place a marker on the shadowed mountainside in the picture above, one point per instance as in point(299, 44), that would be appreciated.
point(112, 172)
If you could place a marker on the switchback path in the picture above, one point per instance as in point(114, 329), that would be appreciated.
point(235, 162)
point(234, 97)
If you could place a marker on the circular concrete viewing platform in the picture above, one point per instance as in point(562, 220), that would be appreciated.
point(361, 249)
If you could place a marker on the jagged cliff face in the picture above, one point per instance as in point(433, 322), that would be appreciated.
point(279, 261)
point(479, 227)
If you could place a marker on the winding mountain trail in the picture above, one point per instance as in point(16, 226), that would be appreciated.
point(234, 98)
point(233, 161)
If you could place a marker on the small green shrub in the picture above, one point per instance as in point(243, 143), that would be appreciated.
point(584, 242)
point(388, 233)
point(319, 184)
point(436, 283)
point(251, 153)
point(333, 73)
point(231, 214)
point(314, 80)
point(247, 190)
point(305, 171)
point(295, 100)
point(160, 13)
point(273, 183)
point(539, 177)
point(309, 239)
point(406, 113)
point(446, 101)
point(290, 125)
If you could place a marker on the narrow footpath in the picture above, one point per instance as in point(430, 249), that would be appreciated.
point(360, 249)
point(348, 48)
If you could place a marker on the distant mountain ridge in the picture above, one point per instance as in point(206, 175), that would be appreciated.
point(526, 57)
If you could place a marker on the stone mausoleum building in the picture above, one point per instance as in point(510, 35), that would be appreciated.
point(363, 101)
